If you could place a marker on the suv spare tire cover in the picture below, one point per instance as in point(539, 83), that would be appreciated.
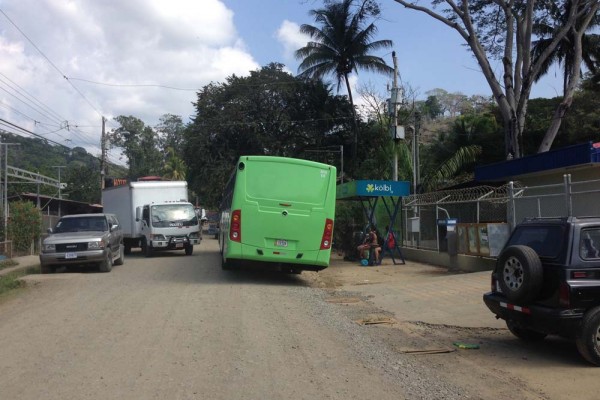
point(520, 274)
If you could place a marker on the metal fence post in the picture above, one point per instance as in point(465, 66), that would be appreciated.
point(568, 199)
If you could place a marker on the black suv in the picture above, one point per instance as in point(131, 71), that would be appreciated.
point(547, 281)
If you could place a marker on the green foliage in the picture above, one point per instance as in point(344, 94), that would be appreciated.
point(269, 112)
point(140, 145)
point(11, 281)
point(24, 226)
point(83, 183)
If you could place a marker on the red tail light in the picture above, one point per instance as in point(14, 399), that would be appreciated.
point(579, 274)
point(564, 295)
point(235, 230)
point(493, 282)
point(327, 235)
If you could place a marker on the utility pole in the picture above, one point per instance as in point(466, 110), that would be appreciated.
point(59, 184)
point(396, 131)
point(5, 199)
point(103, 153)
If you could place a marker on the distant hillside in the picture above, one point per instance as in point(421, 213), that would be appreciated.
point(79, 169)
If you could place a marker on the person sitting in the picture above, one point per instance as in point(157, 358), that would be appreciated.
point(370, 243)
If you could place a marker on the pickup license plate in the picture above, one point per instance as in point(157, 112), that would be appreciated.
point(179, 245)
point(281, 243)
point(69, 256)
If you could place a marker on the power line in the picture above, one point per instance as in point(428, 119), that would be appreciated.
point(51, 63)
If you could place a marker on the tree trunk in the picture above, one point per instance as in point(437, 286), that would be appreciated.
point(354, 122)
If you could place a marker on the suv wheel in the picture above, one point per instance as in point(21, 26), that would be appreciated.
point(520, 274)
point(106, 264)
point(588, 337)
point(525, 334)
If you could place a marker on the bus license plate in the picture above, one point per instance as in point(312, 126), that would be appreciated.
point(281, 243)
point(69, 256)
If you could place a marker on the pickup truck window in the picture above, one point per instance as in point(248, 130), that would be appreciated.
point(81, 224)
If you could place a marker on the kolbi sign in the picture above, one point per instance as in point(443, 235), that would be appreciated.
point(382, 188)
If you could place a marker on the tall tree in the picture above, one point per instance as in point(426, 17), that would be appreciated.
point(342, 43)
point(504, 29)
point(269, 112)
point(139, 144)
point(566, 54)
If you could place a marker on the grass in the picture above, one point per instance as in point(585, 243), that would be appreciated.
point(10, 282)
point(8, 263)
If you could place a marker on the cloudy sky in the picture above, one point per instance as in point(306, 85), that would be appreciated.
point(66, 63)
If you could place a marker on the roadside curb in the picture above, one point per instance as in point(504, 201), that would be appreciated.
point(24, 262)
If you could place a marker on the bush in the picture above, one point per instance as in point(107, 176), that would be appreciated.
point(24, 225)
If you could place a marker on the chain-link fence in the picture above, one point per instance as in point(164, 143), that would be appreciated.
point(426, 216)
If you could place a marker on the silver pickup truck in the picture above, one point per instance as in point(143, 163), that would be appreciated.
point(83, 239)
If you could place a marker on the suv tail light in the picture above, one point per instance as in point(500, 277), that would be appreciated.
point(564, 295)
point(580, 274)
point(327, 235)
point(235, 231)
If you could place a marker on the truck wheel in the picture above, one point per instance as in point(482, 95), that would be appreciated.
point(106, 264)
point(520, 274)
point(588, 336)
point(121, 259)
point(189, 249)
point(46, 269)
point(146, 248)
point(525, 334)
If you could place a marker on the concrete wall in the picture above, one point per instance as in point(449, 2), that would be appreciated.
point(461, 262)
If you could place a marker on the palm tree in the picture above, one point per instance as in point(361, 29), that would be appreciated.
point(341, 45)
point(174, 167)
point(564, 54)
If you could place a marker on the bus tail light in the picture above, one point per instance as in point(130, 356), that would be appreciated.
point(235, 231)
point(327, 235)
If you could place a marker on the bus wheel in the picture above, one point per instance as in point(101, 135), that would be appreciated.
point(225, 266)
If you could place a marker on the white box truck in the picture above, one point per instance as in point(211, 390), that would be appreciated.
point(154, 215)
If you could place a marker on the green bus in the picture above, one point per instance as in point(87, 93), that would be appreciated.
point(277, 213)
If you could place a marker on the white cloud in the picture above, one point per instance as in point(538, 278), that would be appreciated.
point(179, 43)
point(291, 38)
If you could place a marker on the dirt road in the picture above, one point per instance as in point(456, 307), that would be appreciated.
point(178, 327)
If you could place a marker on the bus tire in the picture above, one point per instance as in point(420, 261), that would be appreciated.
point(225, 266)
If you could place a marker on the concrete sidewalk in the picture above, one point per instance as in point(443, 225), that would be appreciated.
point(417, 292)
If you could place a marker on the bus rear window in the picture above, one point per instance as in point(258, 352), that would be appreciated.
point(284, 181)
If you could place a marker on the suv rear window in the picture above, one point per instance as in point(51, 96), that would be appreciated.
point(590, 244)
point(547, 241)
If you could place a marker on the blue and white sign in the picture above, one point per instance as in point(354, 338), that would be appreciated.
point(382, 188)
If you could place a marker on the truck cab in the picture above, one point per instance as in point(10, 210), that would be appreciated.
point(168, 226)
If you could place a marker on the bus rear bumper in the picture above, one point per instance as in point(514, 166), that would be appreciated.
point(313, 260)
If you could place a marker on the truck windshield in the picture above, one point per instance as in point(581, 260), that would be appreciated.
point(173, 215)
point(81, 224)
